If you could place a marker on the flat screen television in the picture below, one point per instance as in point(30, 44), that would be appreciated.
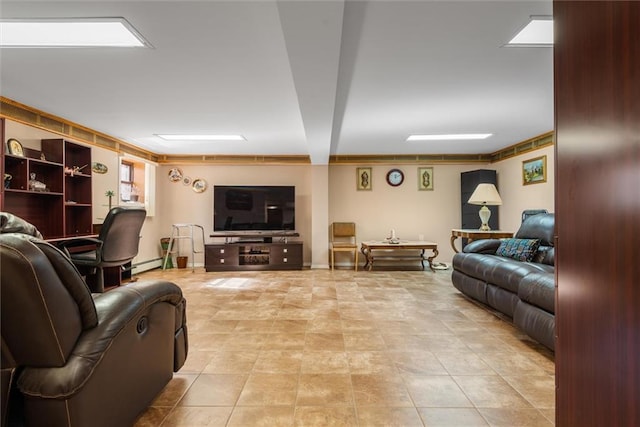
point(254, 208)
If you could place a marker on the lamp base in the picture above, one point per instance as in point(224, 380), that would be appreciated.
point(484, 214)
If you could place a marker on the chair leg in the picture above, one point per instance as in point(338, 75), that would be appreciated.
point(333, 261)
point(96, 281)
point(355, 253)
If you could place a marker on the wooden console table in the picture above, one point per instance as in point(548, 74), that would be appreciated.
point(477, 235)
point(367, 249)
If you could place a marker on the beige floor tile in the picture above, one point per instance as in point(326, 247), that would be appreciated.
point(269, 390)
point(270, 416)
point(198, 417)
point(322, 341)
point(324, 390)
point(452, 417)
point(491, 392)
point(388, 417)
point(538, 390)
point(417, 362)
point(324, 362)
point(380, 390)
point(214, 390)
point(174, 391)
point(509, 417)
point(371, 362)
point(279, 361)
point(231, 362)
point(439, 391)
point(322, 416)
point(322, 348)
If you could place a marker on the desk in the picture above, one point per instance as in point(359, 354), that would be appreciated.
point(367, 249)
point(477, 235)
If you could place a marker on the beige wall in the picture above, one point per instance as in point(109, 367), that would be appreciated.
point(517, 197)
point(325, 194)
point(432, 214)
point(178, 203)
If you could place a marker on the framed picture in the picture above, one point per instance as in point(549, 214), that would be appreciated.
point(534, 171)
point(425, 179)
point(363, 179)
point(14, 147)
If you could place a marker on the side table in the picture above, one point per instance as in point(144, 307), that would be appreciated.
point(477, 235)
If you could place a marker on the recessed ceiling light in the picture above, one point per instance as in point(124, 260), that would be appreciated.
point(71, 32)
point(448, 137)
point(201, 137)
point(538, 32)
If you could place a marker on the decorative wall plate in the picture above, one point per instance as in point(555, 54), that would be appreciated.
point(199, 185)
point(175, 175)
point(100, 168)
point(15, 147)
point(186, 180)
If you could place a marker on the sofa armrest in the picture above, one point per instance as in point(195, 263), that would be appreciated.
point(117, 310)
point(483, 246)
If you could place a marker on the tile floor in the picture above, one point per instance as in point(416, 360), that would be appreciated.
point(322, 348)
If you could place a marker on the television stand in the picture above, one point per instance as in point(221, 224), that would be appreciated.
point(255, 251)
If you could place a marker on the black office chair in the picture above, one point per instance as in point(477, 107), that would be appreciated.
point(116, 245)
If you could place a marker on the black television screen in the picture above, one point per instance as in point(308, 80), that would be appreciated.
point(253, 207)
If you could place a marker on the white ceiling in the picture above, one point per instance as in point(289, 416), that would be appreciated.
point(313, 78)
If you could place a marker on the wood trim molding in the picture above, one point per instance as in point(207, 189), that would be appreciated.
point(24, 114)
point(30, 116)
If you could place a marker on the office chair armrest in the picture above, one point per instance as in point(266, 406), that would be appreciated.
point(76, 245)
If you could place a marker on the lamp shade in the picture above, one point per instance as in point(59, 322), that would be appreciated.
point(485, 194)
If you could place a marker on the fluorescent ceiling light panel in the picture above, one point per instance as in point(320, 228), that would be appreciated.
point(449, 137)
point(187, 137)
point(89, 32)
point(537, 32)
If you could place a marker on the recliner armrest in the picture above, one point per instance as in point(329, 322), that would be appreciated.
point(483, 246)
point(116, 310)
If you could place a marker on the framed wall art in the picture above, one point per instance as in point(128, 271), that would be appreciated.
point(363, 179)
point(534, 171)
point(425, 179)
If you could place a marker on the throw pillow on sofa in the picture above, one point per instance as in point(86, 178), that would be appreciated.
point(519, 249)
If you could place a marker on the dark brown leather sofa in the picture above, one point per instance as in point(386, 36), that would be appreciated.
point(70, 358)
point(523, 291)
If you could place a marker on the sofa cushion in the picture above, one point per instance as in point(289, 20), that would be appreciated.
point(518, 249)
point(539, 289)
point(545, 255)
point(503, 272)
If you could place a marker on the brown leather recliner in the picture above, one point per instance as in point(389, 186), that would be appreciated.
point(71, 358)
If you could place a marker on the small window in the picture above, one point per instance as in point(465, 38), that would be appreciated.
point(137, 183)
point(127, 183)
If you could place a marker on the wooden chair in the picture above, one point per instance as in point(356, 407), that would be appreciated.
point(343, 239)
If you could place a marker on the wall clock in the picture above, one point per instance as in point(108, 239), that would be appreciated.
point(395, 177)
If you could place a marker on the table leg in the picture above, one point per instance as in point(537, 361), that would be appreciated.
point(422, 258)
point(453, 239)
point(430, 259)
point(368, 257)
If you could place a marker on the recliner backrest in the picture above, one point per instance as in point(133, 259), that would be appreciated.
point(120, 234)
point(539, 226)
point(45, 304)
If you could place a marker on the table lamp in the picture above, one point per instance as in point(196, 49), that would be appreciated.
point(485, 195)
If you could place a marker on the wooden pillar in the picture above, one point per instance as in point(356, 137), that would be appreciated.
point(597, 102)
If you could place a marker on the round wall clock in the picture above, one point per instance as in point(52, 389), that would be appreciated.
point(395, 177)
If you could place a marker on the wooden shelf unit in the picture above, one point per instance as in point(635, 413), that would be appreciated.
point(64, 208)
